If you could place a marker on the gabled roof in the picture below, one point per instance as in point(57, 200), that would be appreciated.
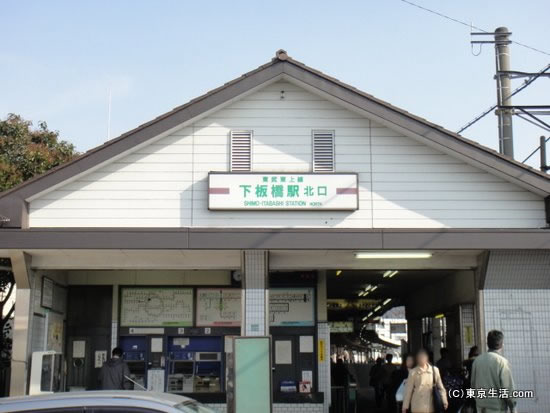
point(13, 202)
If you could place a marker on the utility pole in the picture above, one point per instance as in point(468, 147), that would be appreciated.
point(504, 92)
point(543, 165)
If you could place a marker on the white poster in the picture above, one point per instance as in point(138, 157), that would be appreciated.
point(291, 307)
point(79, 349)
point(218, 307)
point(156, 345)
point(100, 357)
point(283, 352)
point(306, 344)
point(276, 191)
point(155, 380)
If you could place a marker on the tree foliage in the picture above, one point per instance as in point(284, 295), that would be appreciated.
point(24, 153)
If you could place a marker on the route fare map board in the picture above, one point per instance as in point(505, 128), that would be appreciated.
point(156, 307)
point(291, 307)
point(218, 307)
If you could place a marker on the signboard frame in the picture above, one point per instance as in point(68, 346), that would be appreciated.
point(190, 291)
point(302, 323)
point(234, 323)
point(46, 299)
point(267, 209)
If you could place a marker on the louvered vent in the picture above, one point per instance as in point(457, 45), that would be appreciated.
point(241, 150)
point(323, 151)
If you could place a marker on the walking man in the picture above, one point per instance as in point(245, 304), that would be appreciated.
point(114, 373)
point(491, 373)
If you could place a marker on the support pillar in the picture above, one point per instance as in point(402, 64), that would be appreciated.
point(414, 332)
point(323, 339)
point(20, 358)
point(255, 311)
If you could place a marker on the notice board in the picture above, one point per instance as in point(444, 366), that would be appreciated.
point(156, 307)
point(291, 307)
point(251, 375)
point(218, 307)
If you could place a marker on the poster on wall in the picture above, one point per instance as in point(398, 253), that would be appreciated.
point(55, 332)
point(218, 307)
point(291, 307)
point(156, 307)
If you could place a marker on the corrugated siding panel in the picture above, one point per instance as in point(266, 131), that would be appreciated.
point(403, 184)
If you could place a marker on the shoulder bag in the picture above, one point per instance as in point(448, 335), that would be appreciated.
point(438, 401)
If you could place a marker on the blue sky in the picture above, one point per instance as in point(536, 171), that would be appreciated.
point(59, 59)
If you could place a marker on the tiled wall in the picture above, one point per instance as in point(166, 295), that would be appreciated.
point(524, 318)
point(280, 408)
point(255, 268)
point(323, 333)
point(518, 269)
point(516, 300)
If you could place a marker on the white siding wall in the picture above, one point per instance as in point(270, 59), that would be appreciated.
point(403, 184)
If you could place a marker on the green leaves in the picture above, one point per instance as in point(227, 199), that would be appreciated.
point(26, 152)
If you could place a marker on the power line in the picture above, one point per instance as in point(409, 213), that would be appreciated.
point(515, 92)
point(532, 122)
point(410, 3)
point(535, 151)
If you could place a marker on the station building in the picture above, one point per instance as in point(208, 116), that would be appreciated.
point(268, 206)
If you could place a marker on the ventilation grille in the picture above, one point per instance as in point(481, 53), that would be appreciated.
point(241, 151)
point(323, 151)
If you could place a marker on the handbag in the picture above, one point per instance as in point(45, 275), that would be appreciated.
point(438, 401)
point(400, 393)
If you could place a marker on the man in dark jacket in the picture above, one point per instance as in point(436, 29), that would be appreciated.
point(114, 373)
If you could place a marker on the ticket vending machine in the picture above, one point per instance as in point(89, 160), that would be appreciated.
point(180, 368)
point(208, 369)
point(135, 355)
point(194, 364)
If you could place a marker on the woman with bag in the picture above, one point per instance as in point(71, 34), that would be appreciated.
point(424, 392)
point(399, 379)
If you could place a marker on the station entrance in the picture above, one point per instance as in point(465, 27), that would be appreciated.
point(376, 314)
point(175, 323)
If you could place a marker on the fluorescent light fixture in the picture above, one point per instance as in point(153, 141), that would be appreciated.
point(369, 314)
point(373, 288)
point(440, 316)
point(378, 308)
point(392, 254)
point(386, 301)
point(392, 274)
point(366, 293)
point(361, 294)
point(389, 274)
point(338, 273)
point(368, 287)
point(364, 318)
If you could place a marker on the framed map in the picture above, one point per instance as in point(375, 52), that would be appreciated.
point(156, 307)
point(218, 307)
point(291, 307)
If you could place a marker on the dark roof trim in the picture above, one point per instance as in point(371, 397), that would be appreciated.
point(12, 202)
point(273, 239)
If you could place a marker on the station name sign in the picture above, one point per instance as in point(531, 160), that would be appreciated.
point(283, 191)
